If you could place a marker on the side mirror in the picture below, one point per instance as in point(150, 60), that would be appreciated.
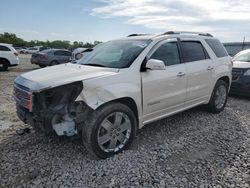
point(154, 64)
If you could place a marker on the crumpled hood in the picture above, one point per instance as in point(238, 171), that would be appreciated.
point(240, 64)
point(60, 75)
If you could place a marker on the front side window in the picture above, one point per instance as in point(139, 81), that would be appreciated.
point(4, 48)
point(115, 54)
point(168, 53)
point(245, 57)
point(66, 53)
point(193, 51)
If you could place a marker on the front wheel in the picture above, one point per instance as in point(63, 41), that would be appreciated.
point(219, 96)
point(54, 63)
point(42, 66)
point(110, 130)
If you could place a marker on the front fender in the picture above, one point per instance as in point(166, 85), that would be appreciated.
point(95, 97)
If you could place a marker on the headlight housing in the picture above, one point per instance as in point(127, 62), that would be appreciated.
point(247, 73)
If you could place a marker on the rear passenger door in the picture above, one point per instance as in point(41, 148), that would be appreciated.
point(199, 71)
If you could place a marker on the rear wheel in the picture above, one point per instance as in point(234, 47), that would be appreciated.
point(110, 130)
point(4, 65)
point(219, 97)
point(42, 66)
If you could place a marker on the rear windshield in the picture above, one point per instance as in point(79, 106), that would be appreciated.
point(217, 47)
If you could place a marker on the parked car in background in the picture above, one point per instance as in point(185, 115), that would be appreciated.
point(123, 85)
point(18, 49)
point(22, 50)
point(79, 53)
point(34, 49)
point(51, 57)
point(8, 56)
point(241, 73)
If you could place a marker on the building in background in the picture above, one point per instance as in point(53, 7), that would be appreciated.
point(234, 47)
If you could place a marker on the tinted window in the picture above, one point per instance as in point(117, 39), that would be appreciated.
point(217, 47)
point(66, 53)
point(4, 48)
point(63, 53)
point(168, 53)
point(193, 51)
point(58, 53)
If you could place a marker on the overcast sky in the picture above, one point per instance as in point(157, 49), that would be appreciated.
point(89, 20)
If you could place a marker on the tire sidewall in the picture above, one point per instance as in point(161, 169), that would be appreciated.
point(97, 118)
point(53, 63)
point(218, 84)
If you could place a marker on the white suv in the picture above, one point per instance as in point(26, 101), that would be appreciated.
point(8, 56)
point(123, 85)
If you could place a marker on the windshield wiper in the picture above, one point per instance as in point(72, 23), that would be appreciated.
point(93, 64)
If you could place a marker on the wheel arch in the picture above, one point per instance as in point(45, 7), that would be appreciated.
point(6, 60)
point(54, 60)
point(127, 101)
point(225, 79)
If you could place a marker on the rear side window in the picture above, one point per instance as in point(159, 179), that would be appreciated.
point(4, 48)
point(168, 53)
point(58, 53)
point(193, 51)
point(62, 53)
point(217, 47)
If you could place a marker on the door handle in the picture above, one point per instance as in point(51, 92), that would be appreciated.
point(180, 74)
point(209, 68)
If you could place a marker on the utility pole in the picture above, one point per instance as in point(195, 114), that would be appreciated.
point(243, 44)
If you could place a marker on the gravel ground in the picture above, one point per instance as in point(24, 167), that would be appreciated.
point(191, 149)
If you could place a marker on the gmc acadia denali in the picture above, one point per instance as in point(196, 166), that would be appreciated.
point(124, 84)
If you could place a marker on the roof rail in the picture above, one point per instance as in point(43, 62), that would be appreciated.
point(135, 34)
point(187, 32)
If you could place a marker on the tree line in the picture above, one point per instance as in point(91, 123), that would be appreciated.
point(11, 38)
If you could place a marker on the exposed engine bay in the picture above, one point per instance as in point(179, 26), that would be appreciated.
point(54, 109)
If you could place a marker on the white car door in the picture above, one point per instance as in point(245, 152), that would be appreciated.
point(199, 71)
point(164, 91)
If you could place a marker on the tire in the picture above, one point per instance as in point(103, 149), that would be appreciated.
point(54, 63)
point(3, 65)
point(42, 66)
point(216, 105)
point(93, 130)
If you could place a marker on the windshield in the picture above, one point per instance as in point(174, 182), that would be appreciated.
point(115, 54)
point(243, 57)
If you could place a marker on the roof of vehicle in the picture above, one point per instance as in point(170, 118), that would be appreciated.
point(171, 34)
point(53, 50)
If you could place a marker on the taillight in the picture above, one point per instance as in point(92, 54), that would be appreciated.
point(41, 56)
point(29, 102)
point(16, 54)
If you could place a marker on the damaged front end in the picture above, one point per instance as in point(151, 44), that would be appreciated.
point(53, 109)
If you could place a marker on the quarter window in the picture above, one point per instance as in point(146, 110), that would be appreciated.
point(193, 51)
point(168, 53)
point(217, 47)
point(4, 48)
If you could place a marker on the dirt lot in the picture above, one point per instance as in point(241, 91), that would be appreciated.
point(191, 149)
